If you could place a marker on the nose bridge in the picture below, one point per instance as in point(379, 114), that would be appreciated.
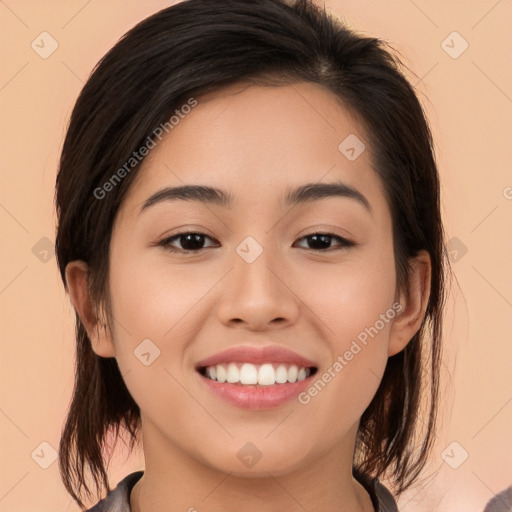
point(256, 291)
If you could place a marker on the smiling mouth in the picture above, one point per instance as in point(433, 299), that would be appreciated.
point(256, 375)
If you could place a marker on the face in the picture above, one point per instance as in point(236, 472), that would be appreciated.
point(316, 277)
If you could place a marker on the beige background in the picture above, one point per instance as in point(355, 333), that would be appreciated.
point(469, 102)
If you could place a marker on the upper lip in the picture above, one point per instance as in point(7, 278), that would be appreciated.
point(257, 355)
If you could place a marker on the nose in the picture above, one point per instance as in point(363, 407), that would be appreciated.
point(258, 295)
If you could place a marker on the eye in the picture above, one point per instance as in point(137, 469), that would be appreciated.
point(321, 241)
point(193, 242)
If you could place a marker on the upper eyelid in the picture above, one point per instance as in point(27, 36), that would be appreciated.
point(319, 232)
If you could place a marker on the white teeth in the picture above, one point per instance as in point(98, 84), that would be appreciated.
point(281, 374)
point(248, 374)
point(233, 373)
point(221, 373)
point(266, 374)
point(211, 371)
point(292, 373)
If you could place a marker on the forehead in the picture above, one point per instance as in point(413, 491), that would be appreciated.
point(257, 141)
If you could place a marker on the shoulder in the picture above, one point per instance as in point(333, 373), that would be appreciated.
point(502, 502)
point(385, 500)
point(382, 499)
point(118, 499)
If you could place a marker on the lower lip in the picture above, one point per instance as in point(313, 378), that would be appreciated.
point(256, 397)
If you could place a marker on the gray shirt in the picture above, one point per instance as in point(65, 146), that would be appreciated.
point(118, 499)
point(502, 502)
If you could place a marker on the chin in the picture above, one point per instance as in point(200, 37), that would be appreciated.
point(253, 460)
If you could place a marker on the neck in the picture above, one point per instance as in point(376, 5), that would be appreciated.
point(175, 481)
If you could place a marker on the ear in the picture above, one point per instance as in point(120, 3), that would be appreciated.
point(409, 319)
point(97, 330)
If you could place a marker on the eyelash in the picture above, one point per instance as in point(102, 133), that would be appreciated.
point(166, 242)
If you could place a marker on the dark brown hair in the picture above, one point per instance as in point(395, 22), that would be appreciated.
point(200, 46)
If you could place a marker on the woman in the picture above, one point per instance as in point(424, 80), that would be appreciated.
point(249, 231)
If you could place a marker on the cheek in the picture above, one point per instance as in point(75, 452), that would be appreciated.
point(358, 338)
point(150, 297)
point(151, 314)
point(355, 310)
point(352, 295)
point(159, 304)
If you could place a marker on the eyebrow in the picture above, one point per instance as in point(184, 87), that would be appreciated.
point(211, 195)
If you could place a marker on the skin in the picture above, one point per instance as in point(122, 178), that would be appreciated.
point(256, 142)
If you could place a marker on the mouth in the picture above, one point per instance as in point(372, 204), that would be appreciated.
point(256, 377)
point(246, 374)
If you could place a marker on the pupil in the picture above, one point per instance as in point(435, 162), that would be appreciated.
point(192, 242)
point(316, 238)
